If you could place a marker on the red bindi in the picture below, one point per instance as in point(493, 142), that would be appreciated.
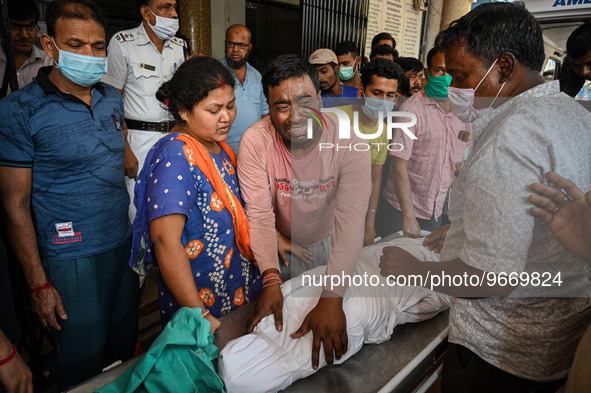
point(222, 84)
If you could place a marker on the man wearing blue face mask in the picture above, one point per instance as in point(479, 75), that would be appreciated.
point(376, 98)
point(64, 197)
point(422, 170)
point(523, 128)
point(140, 60)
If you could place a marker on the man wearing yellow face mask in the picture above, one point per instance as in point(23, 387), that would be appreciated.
point(423, 170)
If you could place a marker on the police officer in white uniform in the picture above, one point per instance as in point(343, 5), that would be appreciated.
point(140, 60)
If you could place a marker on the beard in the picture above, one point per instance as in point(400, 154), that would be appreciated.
point(325, 87)
point(236, 64)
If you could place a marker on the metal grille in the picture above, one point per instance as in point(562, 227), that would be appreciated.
point(325, 23)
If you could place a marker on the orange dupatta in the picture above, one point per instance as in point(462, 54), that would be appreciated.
point(207, 165)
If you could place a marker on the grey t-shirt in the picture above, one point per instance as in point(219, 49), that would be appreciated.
point(534, 333)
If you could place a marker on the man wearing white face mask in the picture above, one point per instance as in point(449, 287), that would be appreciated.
point(140, 60)
point(64, 197)
point(380, 82)
point(526, 342)
point(422, 169)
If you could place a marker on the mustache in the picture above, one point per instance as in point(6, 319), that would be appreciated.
point(22, 41)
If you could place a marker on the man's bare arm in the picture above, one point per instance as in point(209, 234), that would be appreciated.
point(410, 226)
point(15, 193)
point(15, 375)
point(130, 162)
point(372, 208)
point(396, 261)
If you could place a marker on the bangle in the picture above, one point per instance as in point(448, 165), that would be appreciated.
point(9, 358)
point(271, 276)
point(373, 210)
point(268, 284)
point(42, 287)
point(205, 313)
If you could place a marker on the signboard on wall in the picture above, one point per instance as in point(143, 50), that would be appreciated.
point(399, 18)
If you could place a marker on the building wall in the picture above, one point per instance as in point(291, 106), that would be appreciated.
point(224, 13)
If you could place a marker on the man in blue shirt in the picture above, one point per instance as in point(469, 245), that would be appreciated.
point(251, 103)
point(63, 193)
point(333, 93)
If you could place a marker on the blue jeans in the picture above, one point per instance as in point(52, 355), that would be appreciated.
point(101, 297)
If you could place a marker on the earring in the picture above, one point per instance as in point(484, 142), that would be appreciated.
point(184, 116)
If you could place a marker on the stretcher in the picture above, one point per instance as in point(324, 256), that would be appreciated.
point(408, 362)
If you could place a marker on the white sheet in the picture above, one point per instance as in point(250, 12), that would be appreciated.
point(267, 360)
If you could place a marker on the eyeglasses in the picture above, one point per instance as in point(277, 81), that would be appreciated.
point(31, 28)
point(240, 45)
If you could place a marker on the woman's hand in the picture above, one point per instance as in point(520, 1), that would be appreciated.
point(215, 323)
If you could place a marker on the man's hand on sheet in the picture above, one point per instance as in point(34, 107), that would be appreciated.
point(284, 244)
point(328, 324)
point(411, 228)
point(398, 262)
point(270, 302)
point(434, 241)
point(46, 303)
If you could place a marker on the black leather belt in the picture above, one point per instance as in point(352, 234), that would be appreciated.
point(163, 126)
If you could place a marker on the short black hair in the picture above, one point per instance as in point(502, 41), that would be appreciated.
point(410, 64)
point(579, 42)
point(191, 84)
point(345, 47)
point(383, 50)
point(141, 3)
point(492, 29)
point(21, 10)
point(382, 36)
point(404, 86)
point(288, 66)
point(72, 9)
point(432, 52)
point(382, 68)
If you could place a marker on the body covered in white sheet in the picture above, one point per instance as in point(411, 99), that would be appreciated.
point(268, 360)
